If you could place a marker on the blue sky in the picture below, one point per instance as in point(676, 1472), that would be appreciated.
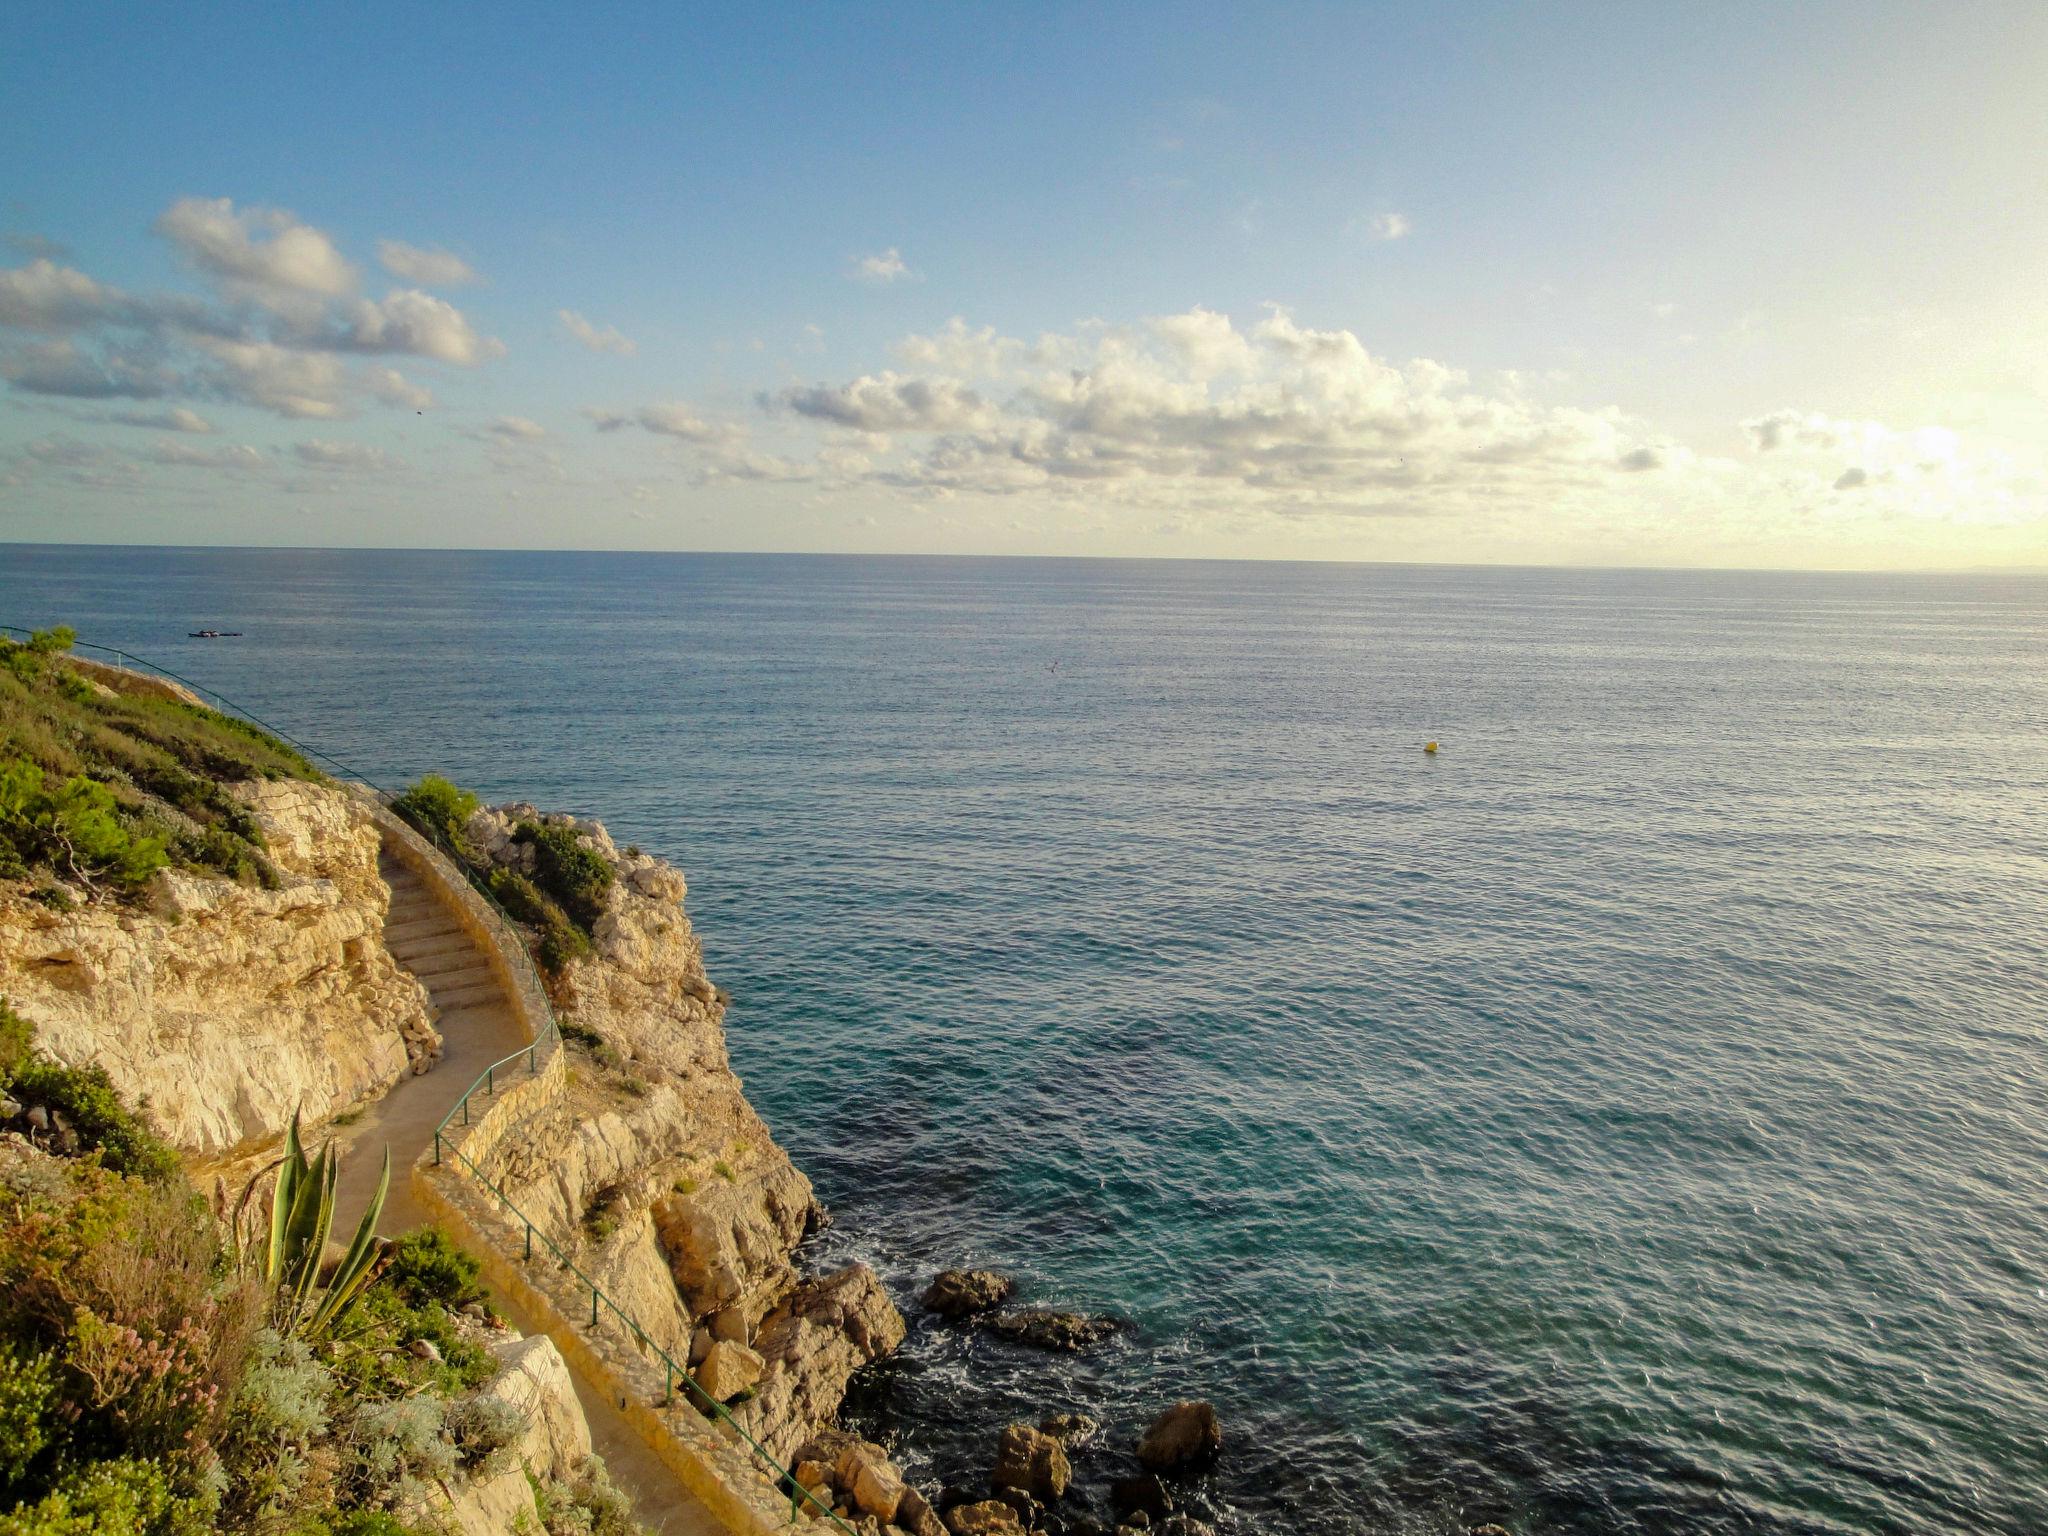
point(1715, 284)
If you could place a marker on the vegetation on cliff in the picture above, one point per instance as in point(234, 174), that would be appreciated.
point(103, 783)
point(560, 900)
point(159, 1378)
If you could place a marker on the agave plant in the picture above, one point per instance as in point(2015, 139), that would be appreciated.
point(289, 1261)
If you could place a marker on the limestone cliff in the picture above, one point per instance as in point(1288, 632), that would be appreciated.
point(227, 1007)
point(655, 1164)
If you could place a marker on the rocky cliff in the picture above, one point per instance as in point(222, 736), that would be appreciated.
point(655, 1165)
point(227, 1007)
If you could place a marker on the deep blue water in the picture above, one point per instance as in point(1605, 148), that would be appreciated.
point(1633, 1118)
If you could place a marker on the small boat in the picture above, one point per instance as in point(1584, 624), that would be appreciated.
point(215, 634)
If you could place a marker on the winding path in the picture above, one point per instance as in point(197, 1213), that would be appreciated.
point(479, 1026)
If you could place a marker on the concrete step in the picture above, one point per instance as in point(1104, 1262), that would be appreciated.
point(435, 946)
point(407, 911)
point(400, 935)
point(452, 969)
point(469, 994)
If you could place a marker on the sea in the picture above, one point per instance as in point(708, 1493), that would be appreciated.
point(1631, 1117)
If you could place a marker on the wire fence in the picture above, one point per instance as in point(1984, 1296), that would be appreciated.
point(674, 1375)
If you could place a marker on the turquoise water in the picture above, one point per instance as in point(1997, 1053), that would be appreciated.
point(1631, 1119)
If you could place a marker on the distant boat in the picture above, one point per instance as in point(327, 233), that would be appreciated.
point(215, 634)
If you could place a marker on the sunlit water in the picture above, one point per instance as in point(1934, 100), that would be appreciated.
point(1632, 1118)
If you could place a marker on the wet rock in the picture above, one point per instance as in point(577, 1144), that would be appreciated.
point(1183, 1525)
point(965, 1292)
point(1030, 1513)
point(1065, 1332)
point(1185, 1438)
point(1141, 1495)
point(1032, 1461)
point(990, 1517)
point(1072, 1430)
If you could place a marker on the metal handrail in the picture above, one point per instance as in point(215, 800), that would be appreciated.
point(551, 1028)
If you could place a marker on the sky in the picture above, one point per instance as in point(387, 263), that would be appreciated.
point(1714, 284)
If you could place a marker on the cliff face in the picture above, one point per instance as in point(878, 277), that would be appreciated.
point(656, 1165)
point(225, 1007)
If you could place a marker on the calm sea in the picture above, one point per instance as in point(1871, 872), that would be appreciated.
point(1631, 1119)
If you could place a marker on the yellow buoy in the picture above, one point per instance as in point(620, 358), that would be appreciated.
point(1429, 746)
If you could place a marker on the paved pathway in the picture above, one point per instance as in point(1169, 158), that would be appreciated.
point(478, 1026)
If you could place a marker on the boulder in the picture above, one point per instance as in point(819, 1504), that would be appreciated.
point(878, 1489)
point(991, 1517)
point(1064, 1332)
point(1185, 1438)
point(1072, 1430)
point(965, 1292)
point(1032, 1461)
point(915, 1515)
point(1141, 1495)
point(728, 1369)
point(534, 1379)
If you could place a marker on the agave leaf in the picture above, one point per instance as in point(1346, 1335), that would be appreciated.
point(353, 1275)
point(290, 1172)
point(313, 1244)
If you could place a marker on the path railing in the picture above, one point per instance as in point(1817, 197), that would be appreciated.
point(674, 1375)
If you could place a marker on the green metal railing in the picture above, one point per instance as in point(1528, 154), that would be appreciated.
point(673, 1374)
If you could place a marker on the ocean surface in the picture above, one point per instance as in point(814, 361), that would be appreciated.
point(1632, 1119)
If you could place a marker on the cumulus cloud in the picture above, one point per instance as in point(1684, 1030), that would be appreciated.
point(174, 418)
point(1389, 226)
point(427, 266)
point(667, 420)
point(321, 453)
point(883, 267)
point(518, 429)
point(272, 334)
point(596, 338)
point(265, 248)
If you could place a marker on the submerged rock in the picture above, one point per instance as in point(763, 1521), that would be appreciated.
point(965, 1292)
point(1185, 1438)
point(1040, 1328)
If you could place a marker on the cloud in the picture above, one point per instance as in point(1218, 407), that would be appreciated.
point(1389, 226)
point(27, 243)
point(65, 369)
point(264, 248)
point(518, 429)
point(319, 453)
point(239, 458)
point(605, 339)
point(428, 267)
point(302, 385)
point(1852, 478)
point(885, 267)
point(1637, 460)
point(394, 388)
point(889, 403)
point(174, 418)
point(409, 320)
point(669, 420)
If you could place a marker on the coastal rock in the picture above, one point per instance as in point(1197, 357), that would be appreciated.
point(964, 1292)
point(534, 1380)
point(1142, 1495)
point(1033, 1461)
point(227, 1008)
point(813, 1343)
point(991, 1517)
point(1061, 1332)
point(1184, 1438)
point(1072, 1430)
point(729, 1369)
point(916, 1516)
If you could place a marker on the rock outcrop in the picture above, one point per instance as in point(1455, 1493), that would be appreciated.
point(226, 1008)
point(656, 1166)
point(1184, 1438)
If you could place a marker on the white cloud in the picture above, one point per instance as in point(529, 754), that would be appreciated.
point(266, 248)
point(888, 402)
point(596, 338)
point(409, 320)
point(883, 267)
point(1389, 226)
point(322, 453)
point(394, 388)
point(428, 267)
point(668, 420)
point(304, 385)
point(518, 429)
point(237, 458)
point(174, 418)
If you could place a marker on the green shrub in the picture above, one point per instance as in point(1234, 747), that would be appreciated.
point(569, 870)
point(122, 1497)
point(438, 808)
point(28, 1390)
point(87, 1098)
point(17, 1039)
point(426, 1266)
point(560, 941)
point(72, 828)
